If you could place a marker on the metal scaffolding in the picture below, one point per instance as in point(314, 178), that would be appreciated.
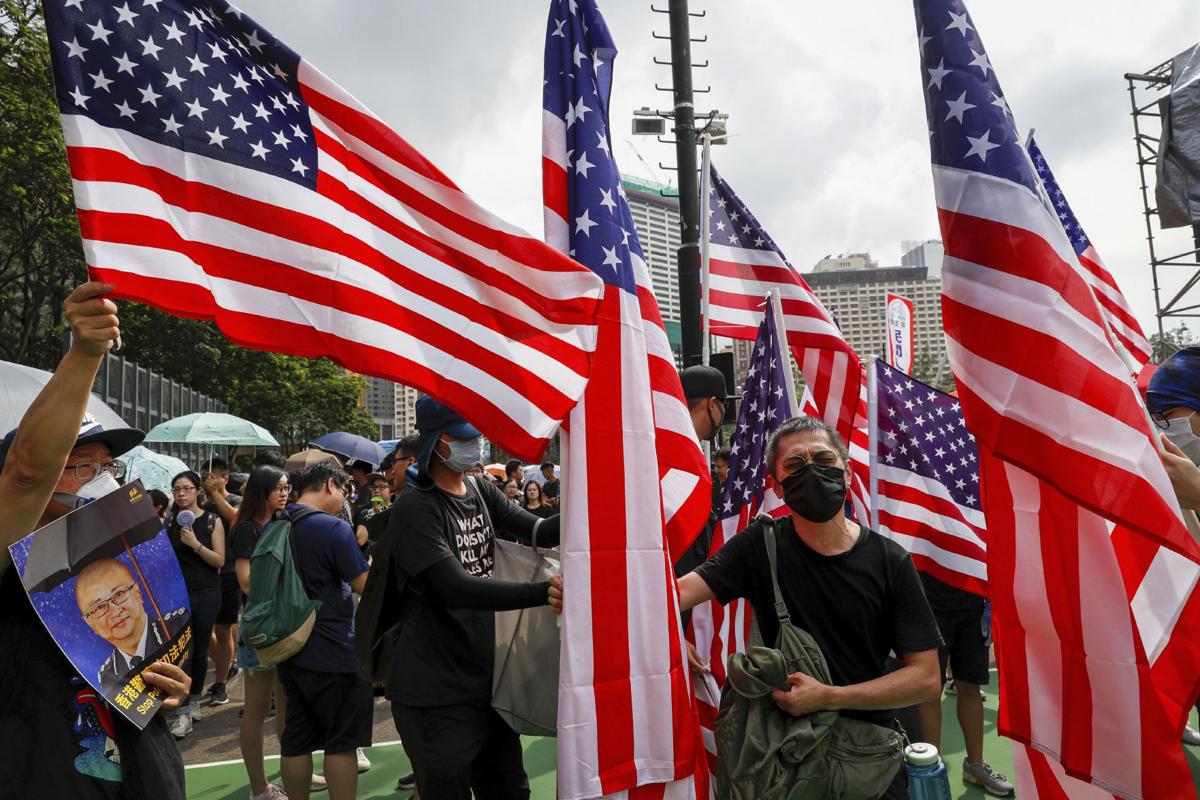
point(1181, 270)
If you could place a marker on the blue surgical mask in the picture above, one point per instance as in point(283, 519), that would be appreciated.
point(464, 454)
point(1179, 431)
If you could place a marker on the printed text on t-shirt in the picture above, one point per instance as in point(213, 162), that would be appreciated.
point(474, 543)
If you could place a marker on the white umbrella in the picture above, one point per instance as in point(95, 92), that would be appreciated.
point(211, 427)
point(155, 470)
point(19, 385)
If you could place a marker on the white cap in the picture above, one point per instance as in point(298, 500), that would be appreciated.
point(921, 754)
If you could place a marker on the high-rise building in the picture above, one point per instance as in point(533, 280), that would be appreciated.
point(392, 406)
point(927, 253)
point(656, 217)
point(856, 297)
point(849, 261)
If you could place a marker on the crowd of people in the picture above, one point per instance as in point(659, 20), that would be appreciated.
point(422, 525)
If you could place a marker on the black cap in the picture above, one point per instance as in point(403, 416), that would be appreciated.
point(700, 381)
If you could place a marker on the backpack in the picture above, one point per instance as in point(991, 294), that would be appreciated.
point(279, 614)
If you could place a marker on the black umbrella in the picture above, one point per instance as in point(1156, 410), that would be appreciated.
point(104, 528)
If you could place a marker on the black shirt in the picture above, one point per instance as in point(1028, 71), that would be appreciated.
point(243, 539)
point(61, 739)
point(444, 656)
point(946, 599)
point(859, 605)
point(544, 511)
point(198, 574)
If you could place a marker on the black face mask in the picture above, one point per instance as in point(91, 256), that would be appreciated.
point(814, 492)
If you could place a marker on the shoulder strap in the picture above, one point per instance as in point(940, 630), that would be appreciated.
point(487, 514)
point(769, 539)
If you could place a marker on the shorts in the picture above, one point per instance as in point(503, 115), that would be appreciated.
point(231, 599)
point(247, 659)
point(330, 711)
point(964, 647)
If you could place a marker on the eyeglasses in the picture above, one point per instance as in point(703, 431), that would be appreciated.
point(1160, 419)
point(120, 597)
point(86, 470)
point(282, 487)
point(182, 489)
point(822, 458)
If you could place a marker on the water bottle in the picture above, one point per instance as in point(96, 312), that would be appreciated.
point(927, 778)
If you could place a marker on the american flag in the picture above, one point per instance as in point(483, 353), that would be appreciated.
point(745, 264)
point(768, 398)
point(635, 478)
point(926, 480)
point(1091, 570)
point(218, 175)
point(1112, 302)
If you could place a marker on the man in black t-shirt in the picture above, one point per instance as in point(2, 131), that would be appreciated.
point(60, 737)
point(550, 489)
point(442, 535)
point(856, 592)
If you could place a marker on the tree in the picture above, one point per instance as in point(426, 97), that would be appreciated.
point(41, 257)
point(1163, 345)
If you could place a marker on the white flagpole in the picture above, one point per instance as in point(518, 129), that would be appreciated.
point(775, 307)
point(873, 442)
point(705, 221)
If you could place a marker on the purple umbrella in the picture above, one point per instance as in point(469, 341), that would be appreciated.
point(351, 446)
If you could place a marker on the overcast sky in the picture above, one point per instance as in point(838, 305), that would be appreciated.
point(830, 149)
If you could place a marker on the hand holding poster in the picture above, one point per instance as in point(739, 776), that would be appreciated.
point(900, 333)
point(105, 583)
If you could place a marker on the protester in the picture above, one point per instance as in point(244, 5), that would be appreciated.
point(60, 738)
point(721, 463)
point(856, 592)
point(328, 704)
point(358, 470)
point(406, 454)
point(224, 503)
point(268, 458)
point(705, 390)
point(200, 549)
point(534, 502)
point(161, 501)
point(513, 492)
point(960, 620)
point(266, 493)
point(551, 486)
point(514, 471)
point(442, 536)
point(379, 498)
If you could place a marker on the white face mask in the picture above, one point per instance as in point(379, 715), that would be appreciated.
point(464, 454)
point(1179, 431)
point(94, 489)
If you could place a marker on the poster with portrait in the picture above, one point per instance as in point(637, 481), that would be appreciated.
point(107, 586)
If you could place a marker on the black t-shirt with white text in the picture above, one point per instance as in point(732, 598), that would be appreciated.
point(858, 605)
point(444, 656)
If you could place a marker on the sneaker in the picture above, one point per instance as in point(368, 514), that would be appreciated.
point(1191, 736)
point(950, 688)
point(317, 784)
point(272, 792)
point(180, 726)
point(218, 695)
point(364, 763)
point(406, 782)
point(981, 774)
point(194, 711)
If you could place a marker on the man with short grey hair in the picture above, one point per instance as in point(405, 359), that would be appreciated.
point(855, 591)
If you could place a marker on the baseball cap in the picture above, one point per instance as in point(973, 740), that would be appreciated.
point(701, 381)
point(119, 440)
point(434, 419)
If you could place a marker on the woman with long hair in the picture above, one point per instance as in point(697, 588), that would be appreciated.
point(200, 549)
point(534, 502)
point(265, 493)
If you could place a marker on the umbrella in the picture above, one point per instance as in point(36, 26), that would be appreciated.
point(306, 458)
point(351, 445)
point(154, 470)
point(211, 427)
point(20, 384)
point(495, 470)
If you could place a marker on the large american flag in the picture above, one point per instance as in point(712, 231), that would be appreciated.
point(1117, 312)
point(768, 398)
point(745, 264)
point(218, 175)
point(1091, 570)
point(635, 477)
point(926, 480)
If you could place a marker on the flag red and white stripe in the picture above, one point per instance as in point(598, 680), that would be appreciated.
point(387, 267)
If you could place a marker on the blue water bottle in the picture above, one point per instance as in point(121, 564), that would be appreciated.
point(926, 773)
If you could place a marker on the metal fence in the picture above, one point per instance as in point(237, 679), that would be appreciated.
point(144, 398)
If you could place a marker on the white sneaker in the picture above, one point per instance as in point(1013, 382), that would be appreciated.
point(1191, 736)
point(194, 710)
point(317, 784)
point(180, 726)
point(272, 792)
point(364, 763)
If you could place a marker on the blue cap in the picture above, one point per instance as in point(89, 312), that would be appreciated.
point(434, 419)
point(119, 440)
point(1176, 382)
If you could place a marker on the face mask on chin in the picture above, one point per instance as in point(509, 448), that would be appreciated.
point(815, 492)
point(1179, 431)
point(94, 489)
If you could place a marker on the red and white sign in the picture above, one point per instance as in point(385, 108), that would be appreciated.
point(900, 333)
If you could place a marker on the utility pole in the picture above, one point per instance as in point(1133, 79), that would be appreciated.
point(688, 263)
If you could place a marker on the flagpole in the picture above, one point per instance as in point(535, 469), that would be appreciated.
point(776, 309)
point(872, 443)
point(705, 222)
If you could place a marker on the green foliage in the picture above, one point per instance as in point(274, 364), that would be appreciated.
point(41, 258)
point(1163, 345)
point(925, 369)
